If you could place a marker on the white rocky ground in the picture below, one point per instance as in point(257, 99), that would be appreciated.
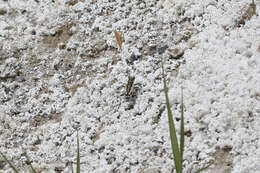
point(61, 70)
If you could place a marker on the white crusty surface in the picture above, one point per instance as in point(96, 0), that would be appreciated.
point(61, 70)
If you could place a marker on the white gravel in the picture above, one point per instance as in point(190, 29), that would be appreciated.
point(61, 70)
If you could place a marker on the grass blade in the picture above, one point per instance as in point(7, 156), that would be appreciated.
point(118, 39)
point(78, 155)
point(173, 136)
point(182, 128)
point(204, 168)
point(10, 164)
point(254, 7)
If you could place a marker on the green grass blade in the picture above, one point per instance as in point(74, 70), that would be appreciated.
point(204, 168)
point(78, 155)
point(173, 136)
point(182, 128)
point(254, 7)
point(10, 164)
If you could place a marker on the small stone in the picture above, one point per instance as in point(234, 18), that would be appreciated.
point(176, 53)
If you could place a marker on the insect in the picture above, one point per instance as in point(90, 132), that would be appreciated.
point(130, 87)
